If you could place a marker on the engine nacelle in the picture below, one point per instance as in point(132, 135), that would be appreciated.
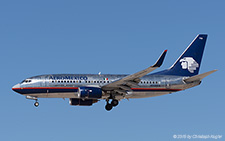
point(90, 92)
point(81, 102)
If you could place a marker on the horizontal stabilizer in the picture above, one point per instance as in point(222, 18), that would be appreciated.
point(199, 77)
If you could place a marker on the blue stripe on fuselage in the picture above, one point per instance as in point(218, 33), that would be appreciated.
point(45, 90)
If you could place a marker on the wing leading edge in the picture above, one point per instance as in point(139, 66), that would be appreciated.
point(124, 84)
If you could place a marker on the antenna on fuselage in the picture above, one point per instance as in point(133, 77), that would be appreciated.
point(99, 73)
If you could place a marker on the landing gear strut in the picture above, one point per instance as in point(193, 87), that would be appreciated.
point(113, 103)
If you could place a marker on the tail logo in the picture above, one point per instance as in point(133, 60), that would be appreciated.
point(189, 63)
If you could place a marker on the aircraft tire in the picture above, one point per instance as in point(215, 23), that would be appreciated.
point(108, 107)
point(36, 104)
point(114, 102)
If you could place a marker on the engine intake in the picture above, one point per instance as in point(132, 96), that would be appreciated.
point(90, 92)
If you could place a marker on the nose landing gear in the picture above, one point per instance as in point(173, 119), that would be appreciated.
point(36, 104)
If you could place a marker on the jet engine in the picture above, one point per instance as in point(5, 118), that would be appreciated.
point(89, 92)
point(81, 102)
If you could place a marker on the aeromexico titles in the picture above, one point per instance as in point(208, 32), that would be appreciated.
point(87, 89)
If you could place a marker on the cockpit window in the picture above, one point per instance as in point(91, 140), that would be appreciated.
point(26, 81)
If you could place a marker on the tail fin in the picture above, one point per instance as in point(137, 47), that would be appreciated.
point(189, 62)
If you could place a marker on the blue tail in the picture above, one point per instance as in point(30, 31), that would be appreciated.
point(189, 62)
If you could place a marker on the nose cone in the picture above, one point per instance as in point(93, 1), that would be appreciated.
point(16, 88)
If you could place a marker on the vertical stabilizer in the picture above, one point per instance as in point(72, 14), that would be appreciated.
point(189, 62)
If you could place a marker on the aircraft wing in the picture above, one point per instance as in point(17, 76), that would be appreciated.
point(124, 84)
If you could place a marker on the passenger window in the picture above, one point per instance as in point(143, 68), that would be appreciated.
point(74, 81)
point(79, 81)
point(97, 81)
point(94, 81)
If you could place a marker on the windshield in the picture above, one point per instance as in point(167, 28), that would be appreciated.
point(26, 81)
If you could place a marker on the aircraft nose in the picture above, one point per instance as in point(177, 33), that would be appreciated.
point(16, 87)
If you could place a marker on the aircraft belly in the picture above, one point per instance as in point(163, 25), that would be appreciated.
point(75, 95)
point(54, 95)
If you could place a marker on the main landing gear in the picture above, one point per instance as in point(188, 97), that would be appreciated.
point(113, 103)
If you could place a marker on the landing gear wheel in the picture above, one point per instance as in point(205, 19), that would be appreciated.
point(108, 107)
point(114, 102)
point(36, 104)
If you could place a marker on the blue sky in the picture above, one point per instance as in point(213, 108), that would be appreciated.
point(44, 37)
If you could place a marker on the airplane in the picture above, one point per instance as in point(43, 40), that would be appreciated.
point(87, 89)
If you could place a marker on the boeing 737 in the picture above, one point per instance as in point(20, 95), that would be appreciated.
point(87, 89)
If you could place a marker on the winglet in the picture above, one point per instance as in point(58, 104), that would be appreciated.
point(160, 60)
